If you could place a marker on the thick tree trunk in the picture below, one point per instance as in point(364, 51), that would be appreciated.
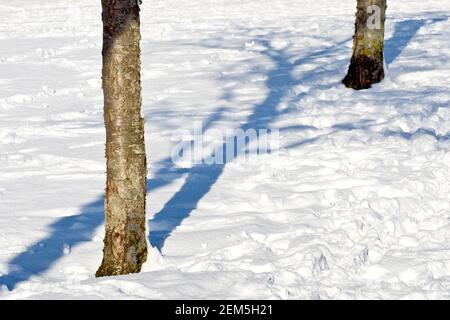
point(366, 66)
point(125, 244)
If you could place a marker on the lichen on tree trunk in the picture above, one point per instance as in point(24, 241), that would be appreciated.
point(367, 63)
point(125, 243)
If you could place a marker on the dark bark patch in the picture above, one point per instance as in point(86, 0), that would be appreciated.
point(363, 72)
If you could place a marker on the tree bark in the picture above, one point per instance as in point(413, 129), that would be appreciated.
point(125, 243)
point(367, 63)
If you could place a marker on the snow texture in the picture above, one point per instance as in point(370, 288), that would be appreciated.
point(355, 204)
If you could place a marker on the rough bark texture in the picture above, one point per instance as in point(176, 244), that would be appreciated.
point(125, 244)
point(366, 66)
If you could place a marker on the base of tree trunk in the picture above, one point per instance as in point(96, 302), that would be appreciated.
point(108, 270)
point(122, 257)
point(111, 267)
point(363, 73)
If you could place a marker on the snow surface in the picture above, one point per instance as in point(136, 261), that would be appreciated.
point(354, 205)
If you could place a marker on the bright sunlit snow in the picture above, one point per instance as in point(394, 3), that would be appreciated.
point(355, 203)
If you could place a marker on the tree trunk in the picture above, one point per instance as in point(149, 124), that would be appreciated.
point(125, 244)
point(366, 66)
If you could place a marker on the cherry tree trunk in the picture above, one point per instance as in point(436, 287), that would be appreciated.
point(125, 243)
point(367, 63)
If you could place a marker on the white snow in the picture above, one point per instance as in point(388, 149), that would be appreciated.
point(355, 204)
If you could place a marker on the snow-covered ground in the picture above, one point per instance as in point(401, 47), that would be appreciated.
point(356, 203)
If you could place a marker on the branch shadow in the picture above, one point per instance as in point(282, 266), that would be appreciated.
point(201, 178)
point(74, 230)
point(403, 34)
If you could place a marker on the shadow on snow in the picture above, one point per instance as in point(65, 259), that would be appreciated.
point(74, 230)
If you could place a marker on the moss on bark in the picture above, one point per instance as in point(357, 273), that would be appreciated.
point(367, 63)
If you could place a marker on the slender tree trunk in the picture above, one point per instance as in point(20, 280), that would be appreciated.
point(366, 66)
point(125, 244)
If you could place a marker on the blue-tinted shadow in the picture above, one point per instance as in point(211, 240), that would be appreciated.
point(64, 234)
point(403, 34)
point(201, 178)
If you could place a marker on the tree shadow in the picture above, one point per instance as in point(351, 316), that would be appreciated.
point(201, 178)
point(403, 34)
point(74, 230)
point(64, 234)
point(68, 232)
